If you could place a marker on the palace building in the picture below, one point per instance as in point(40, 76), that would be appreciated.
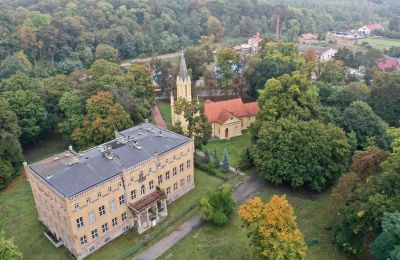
point(86, 199)
point(183, 91)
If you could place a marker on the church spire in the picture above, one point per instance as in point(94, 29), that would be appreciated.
point(183, 73)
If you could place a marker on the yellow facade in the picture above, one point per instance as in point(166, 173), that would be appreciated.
point(232, 127)
point(92, 218)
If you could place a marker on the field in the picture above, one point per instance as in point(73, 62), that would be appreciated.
point(234, 146)
point(18, 217)
point(381, 43)
point(231, 242)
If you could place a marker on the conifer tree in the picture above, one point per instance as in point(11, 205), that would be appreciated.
point(207, 157)
point(225, 161)
point(215, 157)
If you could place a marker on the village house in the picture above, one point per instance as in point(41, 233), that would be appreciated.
point(230, 117)
point(307, 38)
point(87, 199)
point(369, 28)
point(387, 63)
point(252, 45)
point(321, 53)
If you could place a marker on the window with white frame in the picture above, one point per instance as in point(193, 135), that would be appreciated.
point(133, 194)
point(109, 189)
point(123, 216)
point(188, 178)
point(181, 167)
point(182, 182)
point(120, 184)
point(76, 205)
point(104, 227)
point(79, 222)
point(151, 185)
point(142, 190)
point(88, 200)
point(112, 206)
point(83, 240)
point(91, 217)
point(114, 222)
point(99, 195)
point(102, 210)
point(167, 175)
point(174, 171)
point(121, 200)
point(94, 234)
point(159, 179)
point(168, 190)
point(175, 186)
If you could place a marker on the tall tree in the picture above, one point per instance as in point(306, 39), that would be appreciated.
point(215, 28)
point(102, 119)
point(272, 228)
point(29, 110)
point(106, 52)
point(227, 66)
point(369, 128)
point(385, 97)
point(198, 125)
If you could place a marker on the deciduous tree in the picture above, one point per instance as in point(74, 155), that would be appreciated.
point(272, 228)
point(217, 205)
point(102, 119)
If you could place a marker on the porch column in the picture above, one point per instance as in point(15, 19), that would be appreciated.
point(165, 207)
point(157, 218)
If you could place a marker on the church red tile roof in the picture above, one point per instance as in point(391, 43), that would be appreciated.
point(221, 111)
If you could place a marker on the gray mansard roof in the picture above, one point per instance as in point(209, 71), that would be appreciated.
point(70, 173)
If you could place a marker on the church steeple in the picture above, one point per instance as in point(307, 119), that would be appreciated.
point(183, 81)
point(183, 91)
point(183, 73)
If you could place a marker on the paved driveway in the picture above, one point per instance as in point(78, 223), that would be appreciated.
point(249, 187)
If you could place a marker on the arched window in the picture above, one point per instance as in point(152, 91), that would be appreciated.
point(226, 132)
point(142, 190)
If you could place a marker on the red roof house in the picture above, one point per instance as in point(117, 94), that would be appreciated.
point(231, 116)
point(307, 37)
point(387, 63)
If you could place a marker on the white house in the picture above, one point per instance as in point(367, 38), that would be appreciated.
point(369, 28)
point(321, 53)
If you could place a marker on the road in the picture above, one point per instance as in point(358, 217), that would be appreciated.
point(127, 63)
point(249, 187)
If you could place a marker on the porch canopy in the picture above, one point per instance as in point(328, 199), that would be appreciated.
point(147, 201)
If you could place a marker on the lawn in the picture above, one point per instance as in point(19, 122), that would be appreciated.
point(231, 242)
point(165, 109)
point(18, 216)
point(234, 146)
point(381, 43)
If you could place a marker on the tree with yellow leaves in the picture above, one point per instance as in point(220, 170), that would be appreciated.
point(273, 229)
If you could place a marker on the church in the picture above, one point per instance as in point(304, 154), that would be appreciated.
point(227, 118)
point(183, 91)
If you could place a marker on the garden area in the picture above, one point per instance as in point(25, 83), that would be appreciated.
point(18, 216)
point(382, 43)
point(230, 241)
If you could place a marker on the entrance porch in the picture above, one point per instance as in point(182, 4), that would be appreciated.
point(150, 210)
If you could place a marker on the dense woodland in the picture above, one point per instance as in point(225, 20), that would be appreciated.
point(59, 72)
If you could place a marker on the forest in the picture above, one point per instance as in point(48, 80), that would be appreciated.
point(60, 72)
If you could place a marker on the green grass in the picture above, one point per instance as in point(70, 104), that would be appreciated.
point(231, 242)
point(234, 146)
point(381, 43)
point(18, 216)
point(165, 109)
